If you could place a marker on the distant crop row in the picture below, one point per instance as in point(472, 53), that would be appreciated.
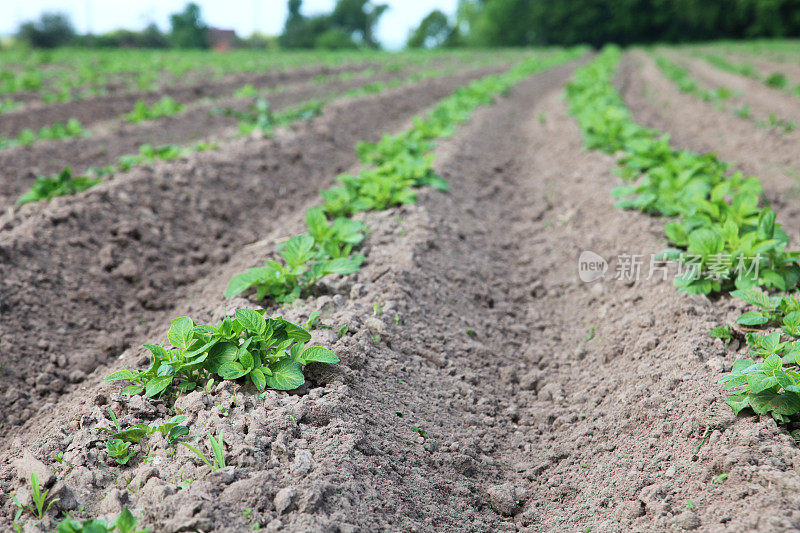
point(719, 96)
point(714, 214)
point(65, 74)
point(776, 80)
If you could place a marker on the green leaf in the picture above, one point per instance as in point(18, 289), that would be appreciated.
point(156, 386)
point(785, 379)
point(293, 331)
point(246, 359)
point(241, 282)
point(738, 402)
point(318, 354)
point(344, 265)
point(224, 352)
point(258, 379)
point(704, 242)
point(233, 370)
point(298, 250)
point(741, 365)
point(753, 318)
point(786, 403)
point(125, 522)
point(760, 382)
point(157, 350)
point(251, 320)
point(772, 279)
point(773, 362)
point(133, 390)
point(177, 432)
point(675, 233)
point(286, 375)
point(122, 375)
point(316, 221)
point(753, 296)
point(180, 334)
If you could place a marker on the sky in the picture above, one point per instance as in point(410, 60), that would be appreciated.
point(266, 16)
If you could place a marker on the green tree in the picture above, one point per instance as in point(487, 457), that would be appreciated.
point(359, 18)
point(351, 24)
point(188, 28)
point(335, 39)
point(433, 31)
point(300, 31)
point(50, 31)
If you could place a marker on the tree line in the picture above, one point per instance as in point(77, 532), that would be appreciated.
point(486, 23)
point(597, 22)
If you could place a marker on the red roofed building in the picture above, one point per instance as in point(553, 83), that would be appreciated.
point(219, 39)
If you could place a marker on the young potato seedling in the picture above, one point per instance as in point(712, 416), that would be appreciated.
point(124, 523)
point(61, 184)
point(267, 352)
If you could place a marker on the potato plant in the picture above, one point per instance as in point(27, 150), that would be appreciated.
point(63, 183)
point(267, 352)
point(166, 107)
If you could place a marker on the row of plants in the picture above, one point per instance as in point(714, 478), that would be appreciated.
point(59, 130)
point(776, 80)
point(66, 74)
point(714, 213)
point(717, 213)
point(271, 352)
point(685, 83)
point(66, 182)
point(166, 107)
point(263, 352)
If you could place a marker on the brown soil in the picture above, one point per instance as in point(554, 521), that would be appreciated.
point(547, 403)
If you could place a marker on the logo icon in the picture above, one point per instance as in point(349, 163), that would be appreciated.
point(591, 266)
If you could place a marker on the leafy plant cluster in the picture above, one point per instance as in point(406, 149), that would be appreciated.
point(149, 153)
point(63, 183)
point(6, 105)
point(166, 107)
point(267, 352)
point(124, 523)
point(121, 442)
point(394, 168)
point(722, 235)
point(771, 386)
point(72, 128)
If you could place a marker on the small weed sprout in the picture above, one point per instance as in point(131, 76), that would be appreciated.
point(216, 448)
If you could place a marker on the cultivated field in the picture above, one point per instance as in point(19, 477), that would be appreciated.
point(470, 321)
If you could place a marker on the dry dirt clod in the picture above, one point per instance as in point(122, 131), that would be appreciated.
point(28, 465)
point(503, 499)
point(284, 500)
